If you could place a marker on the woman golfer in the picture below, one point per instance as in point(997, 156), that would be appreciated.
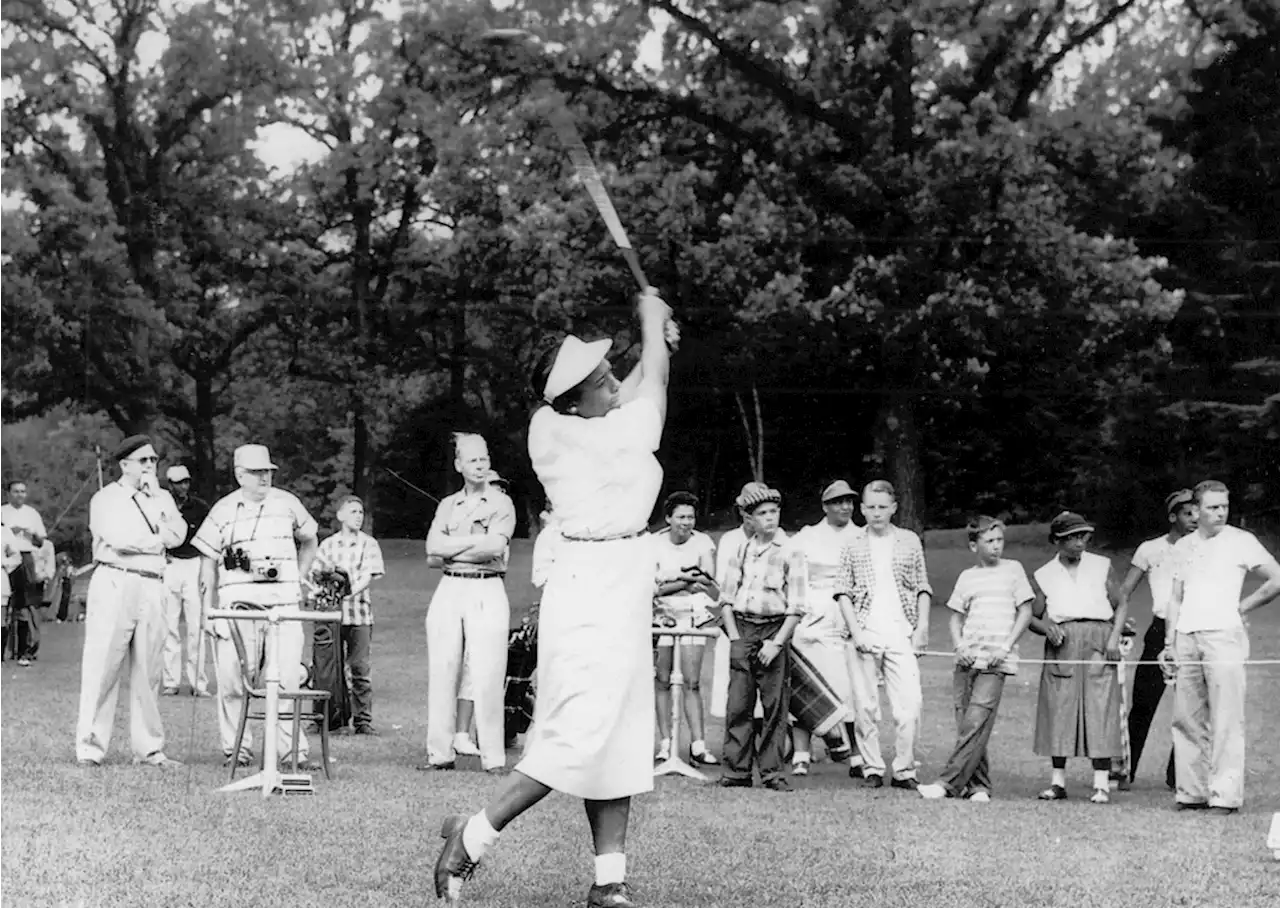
point(592, 444)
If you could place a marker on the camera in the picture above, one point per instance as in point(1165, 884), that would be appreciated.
point(263, 568)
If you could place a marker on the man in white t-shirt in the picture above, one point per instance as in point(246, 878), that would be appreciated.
point(1154, 560)
point(1208, 642)
point(24, 522)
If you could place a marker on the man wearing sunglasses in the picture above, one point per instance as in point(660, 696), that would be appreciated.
point(133, 522)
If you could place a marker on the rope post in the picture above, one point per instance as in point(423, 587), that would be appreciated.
point(673, 765)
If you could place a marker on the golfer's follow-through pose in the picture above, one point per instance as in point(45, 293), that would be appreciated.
point(592, 445)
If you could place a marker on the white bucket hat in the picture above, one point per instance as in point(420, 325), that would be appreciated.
point(575, 360)
point(253, 457)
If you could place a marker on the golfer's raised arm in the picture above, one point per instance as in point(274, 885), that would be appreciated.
point(651, 377)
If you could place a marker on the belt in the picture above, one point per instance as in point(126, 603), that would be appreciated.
point(757, 619)
point(474, 575)
point(150, 575)
point(635, 535)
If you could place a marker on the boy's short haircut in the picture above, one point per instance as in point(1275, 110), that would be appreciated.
point(980, 526)
point(880, 485)
point(349, 499)
point(1209, 485)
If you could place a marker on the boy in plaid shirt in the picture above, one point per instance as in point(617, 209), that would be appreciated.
point(359, 554)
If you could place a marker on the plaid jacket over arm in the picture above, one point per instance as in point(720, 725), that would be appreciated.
point(856, 578)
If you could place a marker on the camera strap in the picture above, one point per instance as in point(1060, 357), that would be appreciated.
point(138, 505)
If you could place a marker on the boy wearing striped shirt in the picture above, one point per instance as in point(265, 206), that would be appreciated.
point(991, 607)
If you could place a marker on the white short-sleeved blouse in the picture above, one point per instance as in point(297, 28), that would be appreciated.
point(600, 475)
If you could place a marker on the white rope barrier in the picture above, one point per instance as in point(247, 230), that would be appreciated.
point(1025, 661)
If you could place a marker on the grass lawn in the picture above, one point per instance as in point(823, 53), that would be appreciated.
point(131, 836)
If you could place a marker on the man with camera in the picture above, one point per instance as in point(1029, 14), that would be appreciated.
point(257, 545)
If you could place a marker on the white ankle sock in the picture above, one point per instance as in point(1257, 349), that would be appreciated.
point(611, 868)
point(801, 756)
point(1060, 778)
point(1101, 779)
point(698, 748)
point(478, 836)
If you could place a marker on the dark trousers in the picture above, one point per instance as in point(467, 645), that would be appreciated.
point(64, 603)
point(355, 643)
point(1148, 688)
point(977, 698)
point(747, 678)
point(23, 597)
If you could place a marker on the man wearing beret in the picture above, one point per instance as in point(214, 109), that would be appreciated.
point(133, 522)
point(257, 544)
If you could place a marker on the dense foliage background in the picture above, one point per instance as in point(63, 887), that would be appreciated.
point(1013, 256)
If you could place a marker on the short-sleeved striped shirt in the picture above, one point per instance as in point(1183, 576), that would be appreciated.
point(361, 557)
point(267, 529)
point(989, 597)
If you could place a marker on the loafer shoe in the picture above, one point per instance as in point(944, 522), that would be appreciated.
point(454, 866)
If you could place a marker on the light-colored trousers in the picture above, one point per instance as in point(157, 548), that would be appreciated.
point(1208, 717)
point(182, 603)
point(123, 631)
point(472, 617)
point(231, 687)
point(902, 687)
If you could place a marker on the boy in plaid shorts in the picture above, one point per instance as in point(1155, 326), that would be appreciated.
point(359, 554)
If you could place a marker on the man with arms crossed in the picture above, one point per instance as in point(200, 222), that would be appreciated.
point(1208, 643)
point(469, 615)
point(257, 544)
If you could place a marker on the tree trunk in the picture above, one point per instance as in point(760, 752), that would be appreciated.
point(205, 479)
point(898, 444)
point(362, 449)
point(755, 438)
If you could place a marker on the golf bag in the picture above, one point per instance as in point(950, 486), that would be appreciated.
point(328, 665)
point(522, 663)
